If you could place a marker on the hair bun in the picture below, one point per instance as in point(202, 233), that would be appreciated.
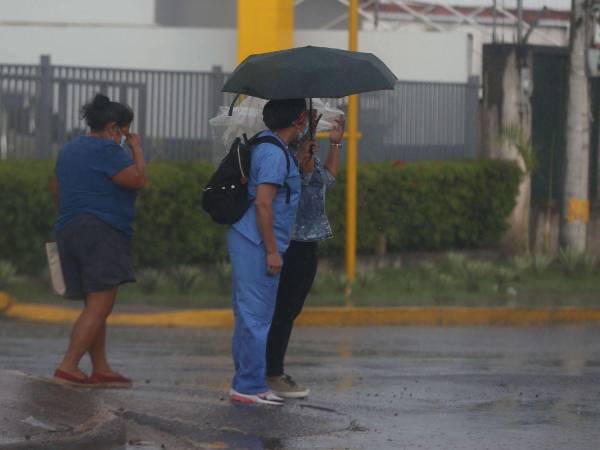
point(100, 101)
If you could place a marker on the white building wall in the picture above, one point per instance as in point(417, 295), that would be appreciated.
point(410, 55)
point(129, 12)
point(123, 47)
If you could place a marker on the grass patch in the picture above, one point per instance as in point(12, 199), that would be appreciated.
point(453, 281)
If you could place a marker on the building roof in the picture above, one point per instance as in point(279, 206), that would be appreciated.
point(560, 5)
point(475, 9)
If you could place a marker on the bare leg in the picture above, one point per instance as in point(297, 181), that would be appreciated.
point(89, 325)
point(97, 353)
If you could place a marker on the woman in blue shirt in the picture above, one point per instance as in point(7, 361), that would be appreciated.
point(300, 259)
point(95, 188)
point(256, 244)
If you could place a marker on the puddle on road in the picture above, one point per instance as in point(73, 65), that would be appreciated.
point(142, 446)
point(246, 441)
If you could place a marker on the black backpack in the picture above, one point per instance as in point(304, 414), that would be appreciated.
point(225, 197)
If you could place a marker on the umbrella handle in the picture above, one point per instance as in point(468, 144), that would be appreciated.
point(233, 104)
point(310, 119)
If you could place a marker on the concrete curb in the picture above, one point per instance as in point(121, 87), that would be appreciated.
point(342, 316)
point(103, 430)
point(5, 302)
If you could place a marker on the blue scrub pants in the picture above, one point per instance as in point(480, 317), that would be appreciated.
point(254, 298)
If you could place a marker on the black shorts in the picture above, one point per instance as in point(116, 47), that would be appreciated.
point(94, 256)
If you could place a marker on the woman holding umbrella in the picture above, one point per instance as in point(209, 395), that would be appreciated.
point(300, 259)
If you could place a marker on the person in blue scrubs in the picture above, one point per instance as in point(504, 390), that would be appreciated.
point(256, 244)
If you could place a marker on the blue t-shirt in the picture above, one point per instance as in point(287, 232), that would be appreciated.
point(84, 169)
point(269, 166)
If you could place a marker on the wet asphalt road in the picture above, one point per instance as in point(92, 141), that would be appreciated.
point(372, 388)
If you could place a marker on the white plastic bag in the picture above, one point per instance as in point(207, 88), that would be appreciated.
point(56, 273)
point(246, 119)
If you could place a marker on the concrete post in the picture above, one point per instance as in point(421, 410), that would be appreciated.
point(576, 204)
point(507, 87)
point(215, 101)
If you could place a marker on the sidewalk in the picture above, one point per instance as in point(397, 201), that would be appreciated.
point(344, 316)
point(38, 414)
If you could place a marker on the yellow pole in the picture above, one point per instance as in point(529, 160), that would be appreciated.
point(352, 157)
point(264, 26)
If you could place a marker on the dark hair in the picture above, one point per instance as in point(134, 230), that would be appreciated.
point(280, 114)
point(101, 111)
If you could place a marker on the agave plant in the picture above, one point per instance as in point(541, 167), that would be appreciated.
point(186, 277)
point(522, 263)
point(223, 272)
point(541, 262)
point(366, 277)
point(148, 280)
point(470, 272)
point(8, 273)
point(503, 276)
point(575, 263)
point(437, 275)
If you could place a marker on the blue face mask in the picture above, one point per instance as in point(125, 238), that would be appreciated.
point(303, 134)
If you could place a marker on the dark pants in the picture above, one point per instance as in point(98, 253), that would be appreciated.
point(297, 277)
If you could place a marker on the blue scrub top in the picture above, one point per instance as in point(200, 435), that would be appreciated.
point(269, 166)
point(84, 170)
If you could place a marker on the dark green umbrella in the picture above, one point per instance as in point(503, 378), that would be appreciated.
point(308, 72)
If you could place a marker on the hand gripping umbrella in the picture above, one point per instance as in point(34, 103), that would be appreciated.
point(308, 72)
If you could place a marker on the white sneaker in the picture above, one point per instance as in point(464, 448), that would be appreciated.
point(264, 398)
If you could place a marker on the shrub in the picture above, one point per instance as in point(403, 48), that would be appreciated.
point(423, 206)
point(427, 206)
point(171, 228)
point(26, 212)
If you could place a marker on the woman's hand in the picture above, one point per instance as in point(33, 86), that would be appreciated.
point(305, 155)
point(134, 140)
point(337, 131)
point(274, 263)
point(134, 176)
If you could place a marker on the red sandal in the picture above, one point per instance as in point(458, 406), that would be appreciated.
point(117, 381)
point(62, 377)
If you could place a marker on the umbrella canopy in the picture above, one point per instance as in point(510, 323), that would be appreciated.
point(307, 72)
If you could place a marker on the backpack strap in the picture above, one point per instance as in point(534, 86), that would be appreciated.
point(255, 140)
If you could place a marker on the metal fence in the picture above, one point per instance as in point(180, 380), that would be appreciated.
point(40, 110)
point(420, 121)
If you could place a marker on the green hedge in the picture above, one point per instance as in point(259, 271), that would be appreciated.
point(428, 206)
point(26, 212)
point(424, 206)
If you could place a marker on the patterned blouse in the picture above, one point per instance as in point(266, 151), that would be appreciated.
point(311, 221)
